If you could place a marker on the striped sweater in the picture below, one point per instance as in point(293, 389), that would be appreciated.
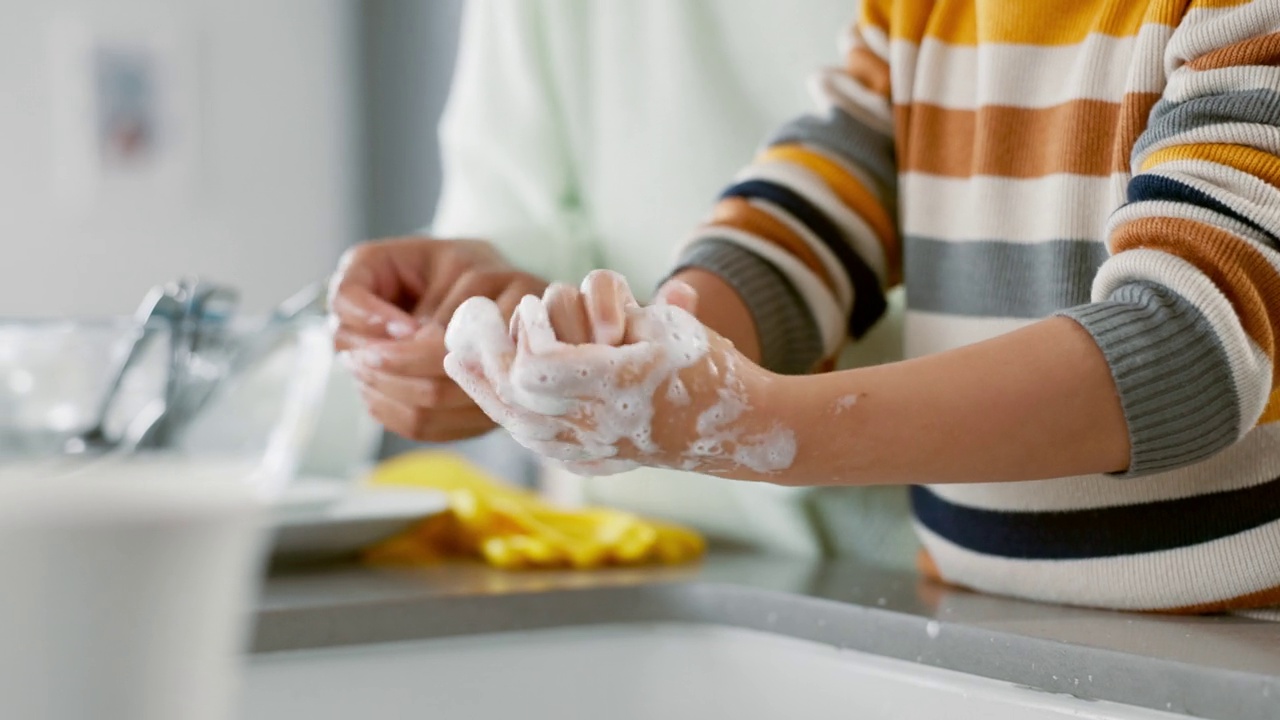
point(1113, 161)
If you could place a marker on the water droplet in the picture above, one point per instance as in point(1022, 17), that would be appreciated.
point(932, 629)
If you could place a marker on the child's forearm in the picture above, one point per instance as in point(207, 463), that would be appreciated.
point(1036, 403)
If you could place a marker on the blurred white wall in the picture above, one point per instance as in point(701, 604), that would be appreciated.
point(273, 190)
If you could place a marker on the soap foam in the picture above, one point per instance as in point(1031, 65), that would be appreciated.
point(844, 403)
point(579, 404)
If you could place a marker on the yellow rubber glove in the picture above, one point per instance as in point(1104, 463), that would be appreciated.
point(512, 528)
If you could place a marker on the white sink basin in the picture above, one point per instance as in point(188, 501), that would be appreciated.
point(635, 672)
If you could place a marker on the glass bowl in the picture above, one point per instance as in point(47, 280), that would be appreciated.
point(240, 392)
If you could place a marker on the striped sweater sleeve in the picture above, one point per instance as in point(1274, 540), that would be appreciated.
point(806, 233)
point(1187, 308)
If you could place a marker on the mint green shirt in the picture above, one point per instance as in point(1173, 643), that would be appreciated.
point(597, 133)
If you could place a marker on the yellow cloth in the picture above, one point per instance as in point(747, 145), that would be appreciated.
point(511, 528)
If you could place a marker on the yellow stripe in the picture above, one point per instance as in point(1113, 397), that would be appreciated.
point(1027, 22)
point(1198, 4)
point(876, 14)
point(1262, 165)
point(851, 192)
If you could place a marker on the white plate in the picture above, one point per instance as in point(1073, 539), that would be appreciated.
point(325, 519)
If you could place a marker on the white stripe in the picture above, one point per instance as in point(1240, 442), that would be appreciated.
point(985, 207)
point(844, 289)
point(1251, 462)
point(856, 231)
point(833, 88)
point(1186, 84)
point(1251, 408)
point(876, 40)
point(927, 333)
point(831, 322)
point(966, 77)
point(902, 70)
point(1184, 211)
point(1250, 367)
point(1203, 30)
point(1241, 564)
point(1247, 194)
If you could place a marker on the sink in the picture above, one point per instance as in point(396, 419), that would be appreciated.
point(635, 672)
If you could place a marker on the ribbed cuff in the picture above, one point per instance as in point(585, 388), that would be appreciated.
point(1171, 371)
point(790, 341)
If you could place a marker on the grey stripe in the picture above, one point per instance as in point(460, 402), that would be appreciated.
point(1172, 374)
point(1169, 119)
point(839, 132)
point(991, 278)
point(790, 341)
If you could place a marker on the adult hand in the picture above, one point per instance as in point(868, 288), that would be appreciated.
point(390, 301)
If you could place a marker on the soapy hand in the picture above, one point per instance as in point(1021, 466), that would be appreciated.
point(595, 381)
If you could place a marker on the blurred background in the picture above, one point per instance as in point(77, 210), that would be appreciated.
point(244, 141)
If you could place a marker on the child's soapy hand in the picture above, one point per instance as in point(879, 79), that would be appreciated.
point(594, 380)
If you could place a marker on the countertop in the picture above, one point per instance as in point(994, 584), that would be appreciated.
point(1214, 667)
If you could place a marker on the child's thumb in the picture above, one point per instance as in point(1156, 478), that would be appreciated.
point(680, 294)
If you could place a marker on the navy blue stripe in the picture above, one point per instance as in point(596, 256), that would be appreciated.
point(869, 302)
point(1100, 532)
point(1159, 187)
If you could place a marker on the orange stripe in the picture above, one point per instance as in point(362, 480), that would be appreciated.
point(1272, 412)
point(1240, 272)
point(1135, 111)
point(868, 69)
point(741, 214)
point(1083, 137)
point(1262, 165)
point(1260, 599)
point(1031, 22)
point(851, 192)
point(1263, 50)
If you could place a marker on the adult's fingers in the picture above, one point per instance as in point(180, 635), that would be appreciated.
point(420, 356)
point(568, 316)
point(435, 393)
point(358, 309)
point(483, 283)
point(607, 298)
point(373, 279)
point(454, 259)
point(423, 424)
point(345, 340)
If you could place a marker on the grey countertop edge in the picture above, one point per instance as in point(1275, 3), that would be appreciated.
point(1050, 665)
